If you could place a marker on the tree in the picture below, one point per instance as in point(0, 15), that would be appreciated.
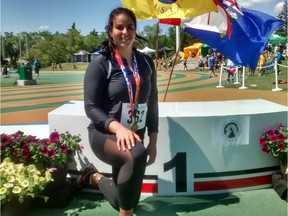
point(150, 33)
point(74, 41)
point(92, 43)
point(94, 32)
point(73, 25)
point(11, 47)
point(283, 16)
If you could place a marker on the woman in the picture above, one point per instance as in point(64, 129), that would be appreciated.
point(120, 97)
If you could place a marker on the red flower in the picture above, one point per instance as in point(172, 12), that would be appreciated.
point(274, 142)
point(51, 153)
point(25, 153)
point(262, 141)
point(64, 148)
point(5, 140)
point(57, 150)
point(265, 150)
point(273, 138)
point(54, 137)
point(281, 137)
point(281, 146)
point(44, 150)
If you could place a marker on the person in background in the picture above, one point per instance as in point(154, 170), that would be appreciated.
point(211, 63)
point(36, 68)
point(185, 64)
point(262, 62)
point(279, 58)
point(121, 100)
point(27, 64)
point(200, 64)
point(5, 71)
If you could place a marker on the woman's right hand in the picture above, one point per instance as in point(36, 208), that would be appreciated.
point(126, 139)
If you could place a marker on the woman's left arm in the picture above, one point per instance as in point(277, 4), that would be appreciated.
point(152, 117)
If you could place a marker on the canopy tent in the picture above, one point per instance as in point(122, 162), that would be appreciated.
point(192, 51)
point(82, 56)
point(275, 39)
point(204, 49)
point(165, 50)
point(147, 50)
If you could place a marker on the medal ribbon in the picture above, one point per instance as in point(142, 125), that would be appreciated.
point(133, 102)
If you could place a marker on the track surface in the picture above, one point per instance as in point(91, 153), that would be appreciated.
point(31, 104)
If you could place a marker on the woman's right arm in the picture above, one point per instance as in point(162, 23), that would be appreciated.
point(95, 82)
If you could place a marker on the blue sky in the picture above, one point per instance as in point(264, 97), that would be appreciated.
point(58, 15)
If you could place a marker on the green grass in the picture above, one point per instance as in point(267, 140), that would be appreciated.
point(266, 82)
point(69, 67)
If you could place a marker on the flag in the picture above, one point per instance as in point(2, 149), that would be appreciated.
point(250, 33)
point(150, 9)
point(216, 21)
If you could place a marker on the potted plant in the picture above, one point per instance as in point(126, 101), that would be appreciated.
point(55, 151)
point(275, 143)
point(19, 183)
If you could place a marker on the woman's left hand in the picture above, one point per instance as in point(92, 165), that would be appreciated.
point(151, 148)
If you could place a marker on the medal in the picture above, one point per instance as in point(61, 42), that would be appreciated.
point(134, 127)
point(133, 99)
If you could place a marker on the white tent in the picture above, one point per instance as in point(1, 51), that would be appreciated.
point(147, 50)
point(82, 56)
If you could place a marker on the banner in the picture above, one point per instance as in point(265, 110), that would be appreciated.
point(150, 9)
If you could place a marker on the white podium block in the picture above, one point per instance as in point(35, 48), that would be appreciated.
point(202, 148)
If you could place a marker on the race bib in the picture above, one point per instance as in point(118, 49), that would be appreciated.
point(140, 117)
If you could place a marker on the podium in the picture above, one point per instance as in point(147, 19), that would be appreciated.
point(202, 148)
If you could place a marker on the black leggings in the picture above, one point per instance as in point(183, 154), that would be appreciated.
point(128, 168)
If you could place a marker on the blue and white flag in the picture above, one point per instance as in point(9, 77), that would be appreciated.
point(250, 33)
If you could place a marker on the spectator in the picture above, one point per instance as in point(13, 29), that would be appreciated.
point(211, 62)
point(185, 64)
point(37, 67)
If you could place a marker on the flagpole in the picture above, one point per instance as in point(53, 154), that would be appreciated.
point(156, 45)
point(177, 38)
point(171, 72)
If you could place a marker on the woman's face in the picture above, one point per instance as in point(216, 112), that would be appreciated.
point(123, 31)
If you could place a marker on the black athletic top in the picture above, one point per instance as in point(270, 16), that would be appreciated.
point(105, 90)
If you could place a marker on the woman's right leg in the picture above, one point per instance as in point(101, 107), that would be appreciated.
point(123, 192)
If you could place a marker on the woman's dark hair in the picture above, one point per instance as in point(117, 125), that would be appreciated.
point(108, 47)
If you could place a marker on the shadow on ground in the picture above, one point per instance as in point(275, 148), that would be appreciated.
point(170, 206)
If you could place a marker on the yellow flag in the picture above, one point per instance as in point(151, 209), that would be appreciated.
point(150, 9)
